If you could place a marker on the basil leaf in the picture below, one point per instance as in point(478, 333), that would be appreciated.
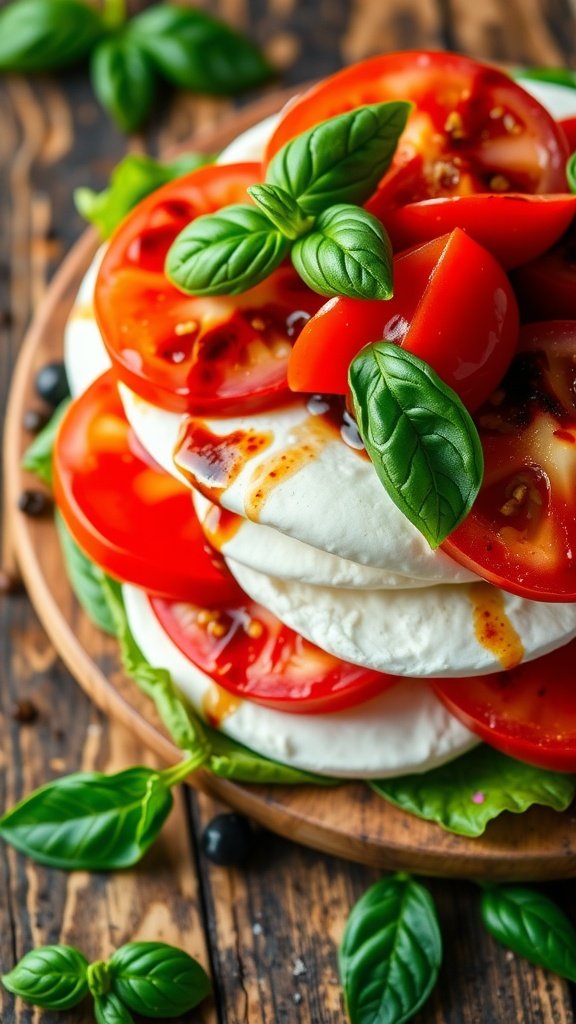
point(109, 1010)
point(86, 580)
point(556, 76)
point(281, 209)
point(348, 253)
point(37, 458)
point(225, 253)
point(571, 172)
point(231, 760)
point(88, 820)
point(195, 51)
point(135, 177)
point(157, 980)
point(532, 926)
point(178, 717)
point(466, 794)
point(390, 953)
point(42, 35)
point(98, 977)
point(421, 439)
point(342, 159)
point(53, 977)
point(124, 81)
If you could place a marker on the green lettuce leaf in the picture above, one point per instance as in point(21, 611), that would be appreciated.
point(464, 795)
point(37, 458)
point(86, 580)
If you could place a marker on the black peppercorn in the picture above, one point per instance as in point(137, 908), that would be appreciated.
point(34, 420)
point(34, 503)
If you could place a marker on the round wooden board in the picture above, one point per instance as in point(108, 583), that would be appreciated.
point(351, 821)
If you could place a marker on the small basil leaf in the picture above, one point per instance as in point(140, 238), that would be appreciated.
point(53, 977)
point(225, 253)
point(571, 172)
point(183, 725)
point(281, 209)
point(98, 977)
point(86, 580)
point(466, 794)
point(110, 1010)
point(532, 926)
point(135, 177)
point(342, 159)
point(37, 458)
point(157, 980)
point(391, 952)
point(42, 35)
point(347, 253)
point(422, 441)
point(87, 821)
point(123, 79)
point(230, 760)
point(556, 76)
point(197, 52)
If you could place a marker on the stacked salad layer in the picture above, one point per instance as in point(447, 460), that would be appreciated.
point(324, 433)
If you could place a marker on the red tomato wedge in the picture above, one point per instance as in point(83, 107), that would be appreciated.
point(472, 129)
point(204, 355)
point(521, 531)
point(129, 516)
point(528, 712)
point(453, 306)
point(568, 126)
point(546, 287)
point(513, 227)
point(252, 655)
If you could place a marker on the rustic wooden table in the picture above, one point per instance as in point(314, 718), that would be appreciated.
point(267, 933)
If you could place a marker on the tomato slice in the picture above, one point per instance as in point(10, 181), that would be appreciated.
point(521, 531)
point(513, 227)
point(568, 126)
point(546, 287)
point(528, 712)
point(453, 306)
point(473, 128)
point(252, 655)
point(204, 355)
point(127, 514)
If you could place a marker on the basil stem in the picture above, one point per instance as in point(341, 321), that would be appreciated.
point(419, 436)
point(281, 209)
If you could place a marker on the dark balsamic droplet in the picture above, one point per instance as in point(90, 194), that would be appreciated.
point(34, 503)
point(24, 711)
point(52, 384)
point(228, 839)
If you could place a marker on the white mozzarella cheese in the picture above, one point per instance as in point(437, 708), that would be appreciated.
point(250, 144)
point(559, 100)
point(432, 631)
point(264, 549)
point(333, 501)
point(85, 356)
point(404, 730)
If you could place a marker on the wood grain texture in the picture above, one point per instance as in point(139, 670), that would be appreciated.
point(52, 138)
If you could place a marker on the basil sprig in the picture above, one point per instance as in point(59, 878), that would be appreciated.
point(306, 206)
point(150, 978)
point(419, 436)
point(185, 47)
point(135, 177)
point(531, 925)
point(391, 952)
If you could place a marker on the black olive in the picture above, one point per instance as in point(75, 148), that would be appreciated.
point(52, 384)
point(228, 839)
point(34, 503)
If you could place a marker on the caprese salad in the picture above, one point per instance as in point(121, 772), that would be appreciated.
point(212, 461)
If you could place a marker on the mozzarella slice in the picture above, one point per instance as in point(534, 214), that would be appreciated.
point(434, 631)
point(85, 355)
point(330, 499)
point(251, 143)
point(404, 730)
point(264, 549)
